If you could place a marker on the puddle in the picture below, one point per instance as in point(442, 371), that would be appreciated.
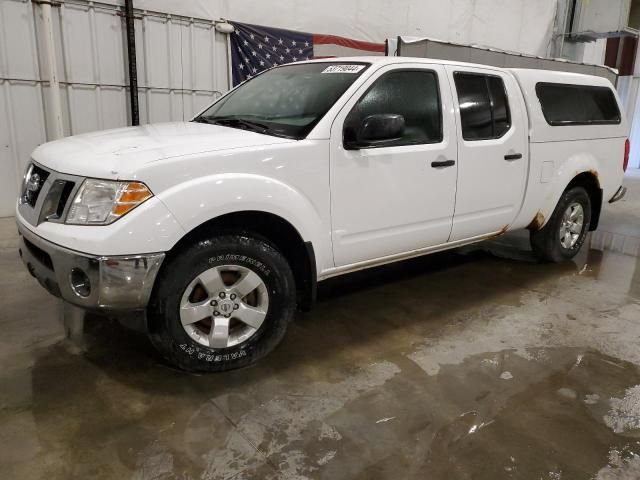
point(567, 413)
point(541, 424)
point(611, 258)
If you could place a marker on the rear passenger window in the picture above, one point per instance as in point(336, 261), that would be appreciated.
point(564, 104)
point(413, 94)
point(484, 109)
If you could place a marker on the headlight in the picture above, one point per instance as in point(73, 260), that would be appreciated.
point(100, 202)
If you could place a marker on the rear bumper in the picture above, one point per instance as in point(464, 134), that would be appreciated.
point(116, 282)
point(621, 192)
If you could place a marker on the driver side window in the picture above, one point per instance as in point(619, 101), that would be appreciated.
point(413, 94)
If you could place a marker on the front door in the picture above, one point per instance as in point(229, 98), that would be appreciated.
point(396, 197)
point(493, 151)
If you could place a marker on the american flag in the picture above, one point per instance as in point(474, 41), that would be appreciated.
point(255, 48)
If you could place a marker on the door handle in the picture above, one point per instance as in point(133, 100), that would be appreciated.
point(444, 163)
point(513, 156)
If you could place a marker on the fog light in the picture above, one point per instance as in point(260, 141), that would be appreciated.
point(80, 283)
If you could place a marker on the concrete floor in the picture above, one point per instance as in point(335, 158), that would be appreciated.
point(473, 364)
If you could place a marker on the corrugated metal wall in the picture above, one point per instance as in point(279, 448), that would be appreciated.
point(182, 66)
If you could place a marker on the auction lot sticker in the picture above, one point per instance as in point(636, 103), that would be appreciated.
point(343, 69)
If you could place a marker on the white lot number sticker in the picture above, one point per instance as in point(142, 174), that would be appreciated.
point(343, 69)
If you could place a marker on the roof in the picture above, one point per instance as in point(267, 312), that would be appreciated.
point(381, 60)
point(519, 72)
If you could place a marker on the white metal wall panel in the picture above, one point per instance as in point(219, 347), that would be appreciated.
point(156, 71)
point(21, 108)
point(18, 40)
point(601, 15)
point(182, 66)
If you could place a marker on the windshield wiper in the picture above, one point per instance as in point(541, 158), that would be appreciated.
point(241, 122)
point(246, 124)
point(204, 120)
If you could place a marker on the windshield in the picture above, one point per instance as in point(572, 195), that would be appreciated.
point(285, 101)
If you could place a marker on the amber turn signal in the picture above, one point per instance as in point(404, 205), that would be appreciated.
point(132, 195)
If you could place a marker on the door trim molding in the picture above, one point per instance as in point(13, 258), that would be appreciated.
point(354, 267)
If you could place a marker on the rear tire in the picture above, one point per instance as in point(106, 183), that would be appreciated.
point(565, 232)
point(221, 303)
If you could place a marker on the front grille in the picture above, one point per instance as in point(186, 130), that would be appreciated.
point(64, 198)
point(55, 201)
point(33, 184)
point(46, 195)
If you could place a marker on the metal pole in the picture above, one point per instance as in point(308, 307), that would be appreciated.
point(229, 62)
point(55, 104)
point(133, 71)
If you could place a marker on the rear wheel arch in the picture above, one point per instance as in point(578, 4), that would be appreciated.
point(565, 232)
point(587, 180)
point(277, 231)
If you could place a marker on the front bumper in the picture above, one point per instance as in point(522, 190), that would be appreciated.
point(117, 282)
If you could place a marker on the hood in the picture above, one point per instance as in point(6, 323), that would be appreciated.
point(120, 152)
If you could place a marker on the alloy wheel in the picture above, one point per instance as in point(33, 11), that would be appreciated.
point(224, 306)
point(571, 225)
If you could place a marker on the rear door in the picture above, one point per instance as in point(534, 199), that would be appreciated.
point(492, 150)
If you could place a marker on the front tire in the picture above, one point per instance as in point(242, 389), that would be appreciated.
point(221, 303)
point(565, 232)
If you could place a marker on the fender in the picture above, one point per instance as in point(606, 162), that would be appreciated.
point(202, 199)
point(564, 173)
point(149, 228)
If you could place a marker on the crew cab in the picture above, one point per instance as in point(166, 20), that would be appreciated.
point(220, 227)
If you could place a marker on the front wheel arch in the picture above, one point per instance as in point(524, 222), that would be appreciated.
point(276, 230)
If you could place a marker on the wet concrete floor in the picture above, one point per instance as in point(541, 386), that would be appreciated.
point(474, 364)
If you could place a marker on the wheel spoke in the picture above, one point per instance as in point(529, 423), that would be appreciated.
point(247, 284)
point(250, 315)
point(194, 312)
point(212, 281)
point(571, 225)
point(219, 335)
point(575, 211)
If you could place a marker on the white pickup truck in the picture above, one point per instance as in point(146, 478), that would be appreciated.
point(219, 227)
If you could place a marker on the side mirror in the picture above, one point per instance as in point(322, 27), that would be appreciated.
point(374, 131)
